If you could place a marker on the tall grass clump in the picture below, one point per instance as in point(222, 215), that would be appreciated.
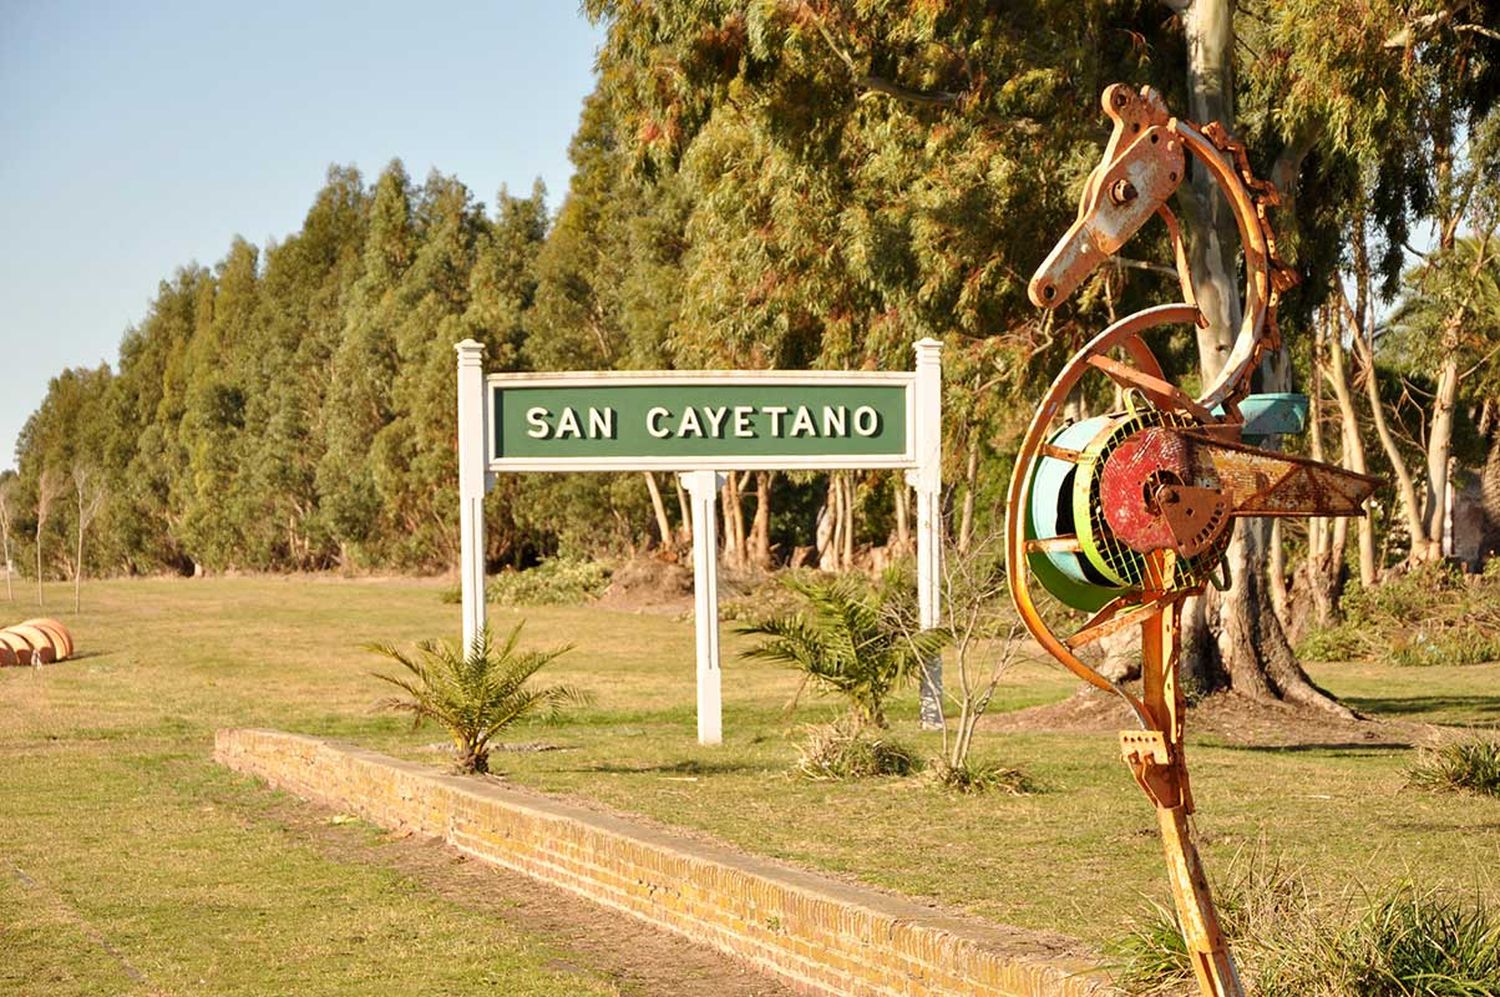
point(1265, 907)
point(1289, 942)
point(1468, 765)
point(1431, 615)
point(845, 749)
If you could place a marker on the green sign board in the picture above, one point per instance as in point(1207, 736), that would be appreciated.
point(718, 420)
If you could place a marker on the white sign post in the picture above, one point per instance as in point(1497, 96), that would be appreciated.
point(472, 420)
point(701, 424)
point(703, 492)
point(927, 479)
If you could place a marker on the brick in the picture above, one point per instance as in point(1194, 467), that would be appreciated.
point(830, 937)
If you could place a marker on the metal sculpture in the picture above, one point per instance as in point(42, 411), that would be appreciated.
point(39, 641)
point(1125, 515)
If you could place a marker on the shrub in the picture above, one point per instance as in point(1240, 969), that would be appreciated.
point(554, 582)
point(1469, 765)
point(1431, 615)
point(477, 695)
point(850, 638)
point(844, 749)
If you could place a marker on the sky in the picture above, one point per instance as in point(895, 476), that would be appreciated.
point(137, 138)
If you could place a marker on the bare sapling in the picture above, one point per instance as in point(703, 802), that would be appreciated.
point(90, 496)
point(47, 490)
point(10, 595)
point(984, 637)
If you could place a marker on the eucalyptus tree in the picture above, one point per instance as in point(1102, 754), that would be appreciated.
point(412, 459)
point(364, 367)
point(211, 432)
point(859, 177)
point(1324, 92)
point(150, 405)
point(308, 278)
point(1404, 93)
point(607, 296)
point(502, 291)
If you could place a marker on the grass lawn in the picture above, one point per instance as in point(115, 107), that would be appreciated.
point(124, 850)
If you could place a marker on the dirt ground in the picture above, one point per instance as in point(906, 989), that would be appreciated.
point(635, 956)
point(1234, 719)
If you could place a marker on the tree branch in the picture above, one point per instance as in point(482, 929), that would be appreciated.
point(871, 84)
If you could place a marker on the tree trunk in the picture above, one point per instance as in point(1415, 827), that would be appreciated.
point(1211, 229)
point(1318, 579)
point(1281, 599)
point(1489, 484)
point(1354, 447)
point(971, 480)
point(827, 531)
point(663, 525)
point(734, 524)
point(760, 527)
point(78, 565)
point(1253, 655)
point(848, 525)
point(1256, 657)
point(1406, 488)
point(1439, 450)
point(10, 595)
point(903, 511)
point(684, 514)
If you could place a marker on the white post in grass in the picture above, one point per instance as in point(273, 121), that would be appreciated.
point(471, 480)
point(927, 479)
point(703, 493)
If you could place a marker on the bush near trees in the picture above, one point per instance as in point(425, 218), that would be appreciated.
point(1431, 615)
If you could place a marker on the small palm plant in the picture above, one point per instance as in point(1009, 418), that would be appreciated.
point(477, 695)
point(851, 640)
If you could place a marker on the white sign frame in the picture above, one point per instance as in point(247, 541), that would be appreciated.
point(702, 477)
point(707, 378)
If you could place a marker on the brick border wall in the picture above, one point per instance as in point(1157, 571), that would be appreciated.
point(820, 935)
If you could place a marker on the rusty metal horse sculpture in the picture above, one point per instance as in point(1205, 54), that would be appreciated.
point(1125, 515)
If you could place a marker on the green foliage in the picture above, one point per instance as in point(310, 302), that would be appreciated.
point(845, 749)
point(1430, 615)
point(851, 638)
point(555, 582)
point(763, 596)
point(1467, 765)
point(476, 695)
point(1419, 941)
point(771, 184)
point(1151, 957)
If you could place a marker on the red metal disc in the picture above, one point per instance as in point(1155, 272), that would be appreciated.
point(1132, 473)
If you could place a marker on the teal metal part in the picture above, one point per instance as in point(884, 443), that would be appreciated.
point(1065, 574)
point(1271, 414)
